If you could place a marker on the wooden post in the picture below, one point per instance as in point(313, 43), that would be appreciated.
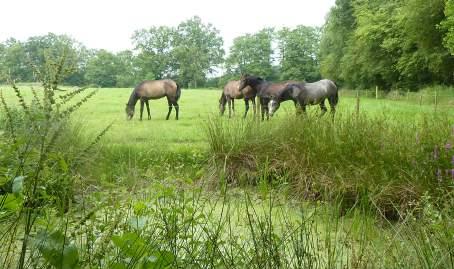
point(420, 100)
point(357, 102)
point(376, 92)
point(436, 99)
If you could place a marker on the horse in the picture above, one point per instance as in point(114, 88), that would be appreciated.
point(263, 89)
point(154, 89)
point(231, 92)
point(308, 94)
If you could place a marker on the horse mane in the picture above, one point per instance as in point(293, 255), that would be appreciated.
point(134, 96)
point(255, 78)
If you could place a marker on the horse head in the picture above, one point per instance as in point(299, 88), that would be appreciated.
point(129, 111)
point(244, 82)
point(273, 105)
point(248, 80)
point(222, 102)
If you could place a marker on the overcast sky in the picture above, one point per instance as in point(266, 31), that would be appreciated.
point(110, 24)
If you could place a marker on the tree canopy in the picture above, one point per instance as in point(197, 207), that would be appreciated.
point(363, 44)
point(399, 43)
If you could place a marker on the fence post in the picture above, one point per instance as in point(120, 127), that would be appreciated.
point(376, 92)
point(436, 99)
point(357, 102)
point(420, 100)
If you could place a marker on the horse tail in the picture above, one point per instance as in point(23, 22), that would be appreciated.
point(335, 98)
point(178, 93)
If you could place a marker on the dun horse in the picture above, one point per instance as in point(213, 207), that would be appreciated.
point(154, 89)
point(265, 90)
point(308, 94)
point(231, 92)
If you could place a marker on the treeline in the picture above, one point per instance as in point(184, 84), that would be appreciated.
point(363, 44)
point(389, 44)
point(191, 53)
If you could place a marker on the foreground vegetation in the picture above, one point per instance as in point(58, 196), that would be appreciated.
point(372, 189)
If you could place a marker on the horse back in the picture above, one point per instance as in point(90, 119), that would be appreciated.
point(154, 89)
point(274, 89)
point(232, 89)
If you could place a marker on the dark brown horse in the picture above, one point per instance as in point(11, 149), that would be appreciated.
point(231, 92)
point(265, 90)
point(154, 89)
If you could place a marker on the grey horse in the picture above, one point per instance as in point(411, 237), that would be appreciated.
point(307, 94)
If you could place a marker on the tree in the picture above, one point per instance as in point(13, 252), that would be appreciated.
point(252, 53)
point(448, 26)
point(424, 59)
point(155, 58)
point(337, 32)
point(126, 69)
point(102, 69)
point(13, 62)
point(41, 49)
point(299, 49)
point(370, 54)
point(390, 44)
point(197, 50)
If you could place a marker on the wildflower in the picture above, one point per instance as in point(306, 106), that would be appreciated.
point(448, 146)
point(439, 175)
point(436, 155)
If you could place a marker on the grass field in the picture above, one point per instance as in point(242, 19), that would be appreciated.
point(142, 184)
point(143, 144)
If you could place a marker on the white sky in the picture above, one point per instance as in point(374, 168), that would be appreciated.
point(110, 24)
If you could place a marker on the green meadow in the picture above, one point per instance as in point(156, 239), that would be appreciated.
point(297, 191)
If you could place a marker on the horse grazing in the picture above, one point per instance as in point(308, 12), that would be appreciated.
point(231, 92)
point(154, 89)
point(264, 90)
point(308, 94)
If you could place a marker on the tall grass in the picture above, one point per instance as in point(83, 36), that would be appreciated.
point(382, 161)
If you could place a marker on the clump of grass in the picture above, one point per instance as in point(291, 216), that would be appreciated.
point(382, 161)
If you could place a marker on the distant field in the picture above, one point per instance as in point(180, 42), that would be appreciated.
point(196, 106)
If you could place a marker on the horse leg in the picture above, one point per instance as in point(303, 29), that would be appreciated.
point(253, 106)
point(229, 103)
point(177, 109)
point(233, 106)
point(246, 103)
point(264, 108)
point(332, 105)
point(323, 107)
point(141, 108)
point(170, 109)
point(267, 110)
point(148, 109)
